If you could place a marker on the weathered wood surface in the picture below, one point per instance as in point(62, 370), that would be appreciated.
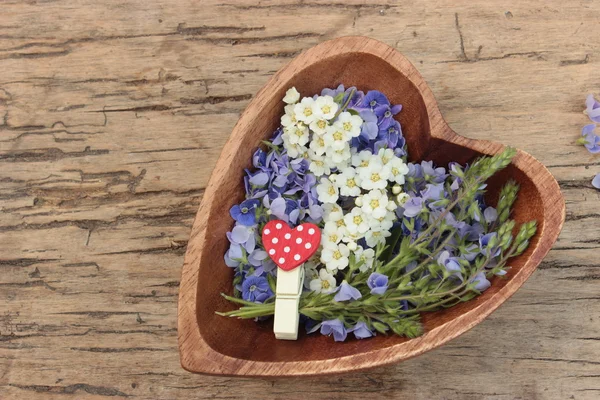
point(113, 114)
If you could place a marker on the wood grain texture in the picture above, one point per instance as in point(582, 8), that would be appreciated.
point(114, 113)
point(215, 345)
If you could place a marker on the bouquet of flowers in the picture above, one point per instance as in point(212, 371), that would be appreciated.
point(397, 238)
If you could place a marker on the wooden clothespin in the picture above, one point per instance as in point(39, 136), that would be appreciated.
point(289, 249)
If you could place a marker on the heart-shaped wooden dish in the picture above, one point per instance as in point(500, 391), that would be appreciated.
point(212, 344)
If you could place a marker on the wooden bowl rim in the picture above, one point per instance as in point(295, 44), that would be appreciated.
point(197, 355)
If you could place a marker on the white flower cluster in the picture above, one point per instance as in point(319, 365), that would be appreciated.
point(314, 129)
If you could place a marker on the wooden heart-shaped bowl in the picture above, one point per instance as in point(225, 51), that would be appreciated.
point(212, 344)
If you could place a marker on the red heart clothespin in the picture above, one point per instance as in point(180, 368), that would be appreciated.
point(288, 247)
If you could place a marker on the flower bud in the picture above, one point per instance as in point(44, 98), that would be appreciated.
point(396, 189)
point(352, 245)
point(391, 205)
point(402, 198)
point(358, 201)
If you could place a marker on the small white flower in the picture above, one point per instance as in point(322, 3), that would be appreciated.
point(325, 283)
point(293, 150)
point(386, 155)
point(339, 157)
point(350, 123)
point(366, 256)
point(357, 222)
point(319, 165)
point(374, 176)
point(335, 137)
point(362, 159)
point(298, 134)
point(374, 237)
point(288, 119)
point(319, 126)
point(398, 170)
point(375, 203)
point(317, 145)
point(327, 192)
point(304, 110)
point(291, 96)
point(332, 234)
point(332, 212)
point(335, 258)
point(325, 107)
point(348, 182)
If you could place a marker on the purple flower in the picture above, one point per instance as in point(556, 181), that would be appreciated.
point(259, 159)
point(484, 244)
point(369, 128)
point(234, 256)
point(239, 234)
point(481, 282)
point(590, 140)
point(254, 288)
point(596, 181)
point(386, 114)
point(413, 207)
point(374, 99)
point(347, 292)
point(276, 207)
point(432, 174)
point(335, 327)
point(245, 213)
point(378, 283)
point(592, 108)
point(451, 264)
point(361, 331)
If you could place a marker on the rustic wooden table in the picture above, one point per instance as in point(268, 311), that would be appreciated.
point(114, 113)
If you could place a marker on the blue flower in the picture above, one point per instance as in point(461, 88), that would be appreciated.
point(347, 292)
point(255, 288)
point(335, 327)
point(596, 181)
point(374, 99)
point(592, 108)
point(378, 283)
point(245, 213)
point(481, 282)
point(361, 331)
point(590, 140)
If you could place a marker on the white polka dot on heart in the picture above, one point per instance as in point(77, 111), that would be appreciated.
point(286, 249)
point(297, 257)
point(300, 228)
point(274, 240)
point(281, 260)
point(266, 231)
point(272, 251)
point(308, 245)
point(299, 240)
point(287, 236)
point(278, 226)
point(311, 231)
